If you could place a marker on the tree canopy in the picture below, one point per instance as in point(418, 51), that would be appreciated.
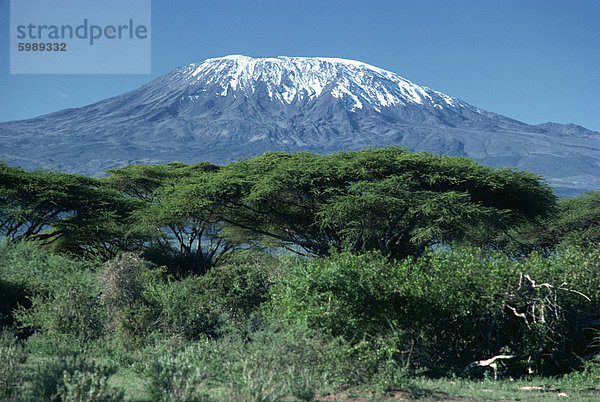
point(196, 236)
point(74, 211)
point(575, 222)
point(389, 199)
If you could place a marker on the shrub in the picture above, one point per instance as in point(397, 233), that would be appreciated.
point(199, 305)
point(13, 296)
point(175, 378)
point(236, 290)
point(75, 377)
point(270, 364)
point(122, 283)
point(38, 271)
point(49, 293)
point(182, 308)
point(450, 308)
point(73, 310)
point(12, 356)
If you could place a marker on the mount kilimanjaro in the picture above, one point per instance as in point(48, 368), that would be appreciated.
point(232, 107)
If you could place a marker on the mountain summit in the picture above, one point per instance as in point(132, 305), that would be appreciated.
point(236, 106)
point(297, 79)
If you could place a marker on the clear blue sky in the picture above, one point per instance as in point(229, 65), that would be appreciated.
point(532, 60)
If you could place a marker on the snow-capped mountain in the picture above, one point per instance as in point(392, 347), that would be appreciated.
point(293, 79)
point(236, 106)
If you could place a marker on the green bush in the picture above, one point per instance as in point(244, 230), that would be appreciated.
point(12, 357)
point(49, 293)
point(175, 378)
point(236, 290)
point(45, 345)
point(75, 377)
point(13, 296)
point(271, 364)
point(37, 271)
point(88, 386)
point(123, 282)
point(73, 310)
point(450, 308)
point(181, 308)
point(200, 305)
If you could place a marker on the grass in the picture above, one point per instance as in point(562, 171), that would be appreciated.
point(323, 330)
point(530, 389)
point(134, 385)
point(218, 377)
point(427, 389)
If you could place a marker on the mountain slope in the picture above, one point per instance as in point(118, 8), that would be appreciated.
point(236, 106)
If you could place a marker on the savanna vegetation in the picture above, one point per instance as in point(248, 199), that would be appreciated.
point(378, 274)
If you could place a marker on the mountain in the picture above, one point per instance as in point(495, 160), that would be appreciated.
point(227, 108)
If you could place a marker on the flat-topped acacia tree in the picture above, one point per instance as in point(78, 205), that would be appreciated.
point(386, 199)
point(60, 208)
point(196, 236)
point(575, 223)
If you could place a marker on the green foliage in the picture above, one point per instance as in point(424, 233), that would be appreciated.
point(12, 356)
point(273, 328)
point(107, 228)
point(579, 220)
point(74, 310)
point(236, 290)
point(345, 295)
point(226, 321)
point(90, 385)
point(194, 306)
point(448, 309)
point(268, 366)
point(139, 300)
point(175, 378)
point(30, 201)
point(74, 377)
point(181, 308)
point(13, 295)
point(191, 216)
point(38, 271)
point(64, 212)
point(188, 241)
point(389, 199)
point(123, 282)
point(43, 345)
point(576, 222)
point(49, 292)
point(271, 364)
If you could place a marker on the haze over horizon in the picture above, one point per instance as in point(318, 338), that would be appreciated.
point(529, 61)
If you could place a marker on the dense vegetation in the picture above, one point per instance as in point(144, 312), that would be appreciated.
point(293, 276)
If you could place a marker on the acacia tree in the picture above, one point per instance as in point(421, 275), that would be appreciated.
point(576, 222)
point(105, 230)
point(424, 199)
point(271, 199)
point(387, 199)
point(64, 212)
point(198, 236)
point(32, 201)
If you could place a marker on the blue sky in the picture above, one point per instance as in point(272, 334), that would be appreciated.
point(531, 60)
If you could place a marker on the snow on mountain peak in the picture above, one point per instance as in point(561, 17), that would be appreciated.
point(288, 79)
